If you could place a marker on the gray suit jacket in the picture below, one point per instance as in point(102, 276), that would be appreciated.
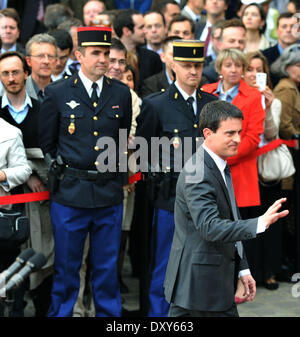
point(30, 88)
point(201, 268)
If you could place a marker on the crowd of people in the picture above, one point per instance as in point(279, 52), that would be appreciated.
point(74, 73)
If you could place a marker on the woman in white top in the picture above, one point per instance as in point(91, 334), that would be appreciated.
point(254, 19)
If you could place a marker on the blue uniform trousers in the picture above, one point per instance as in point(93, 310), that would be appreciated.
point(70, 227)
point(162, 236)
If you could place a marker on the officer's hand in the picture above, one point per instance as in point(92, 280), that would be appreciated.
point(35, 184)
point(272, 214)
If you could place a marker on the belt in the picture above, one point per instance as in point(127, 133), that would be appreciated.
point(89, 174)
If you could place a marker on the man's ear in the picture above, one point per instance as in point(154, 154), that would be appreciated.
point(126, 31)
point(28, 61)
point(78, 55)
point(207, 132)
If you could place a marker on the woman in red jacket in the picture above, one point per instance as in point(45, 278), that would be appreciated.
point(230, 64)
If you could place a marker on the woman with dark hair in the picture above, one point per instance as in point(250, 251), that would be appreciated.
point(254, 19)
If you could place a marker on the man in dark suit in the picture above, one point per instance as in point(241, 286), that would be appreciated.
point(162, 80)
point(10, 31)
point(129, 27)
point(78, 117)
point(285, 23)
point(207, 250)
point(171, 115)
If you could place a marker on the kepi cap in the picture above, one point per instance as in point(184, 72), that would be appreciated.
point(94, 36)
point(188, 50)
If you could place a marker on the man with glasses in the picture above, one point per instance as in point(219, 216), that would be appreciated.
point(41, 55)
point(21, 111)
point(64, 48)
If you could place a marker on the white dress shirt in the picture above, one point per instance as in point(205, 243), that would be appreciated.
point(87, 83)
point(186, 96)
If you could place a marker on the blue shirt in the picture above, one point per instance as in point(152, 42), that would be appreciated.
point(17, 114)
point(229, 95)
point(13, 48)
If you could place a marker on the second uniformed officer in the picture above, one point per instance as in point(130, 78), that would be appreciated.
point(78, 112)
point(173, 114)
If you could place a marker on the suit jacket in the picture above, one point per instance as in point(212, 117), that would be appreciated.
point(166, 114)
point(155, 83)
point(201, 268)
point(149, 64)
point(30, 88)
point(272, 55)
point(244, 170)
point(70, 126)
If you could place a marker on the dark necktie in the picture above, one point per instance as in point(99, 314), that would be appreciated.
point(94, 96)
point(233, 204)
point(190, 102)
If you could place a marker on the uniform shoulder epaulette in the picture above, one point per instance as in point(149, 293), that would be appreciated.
point(155, 94)
point(111, 80)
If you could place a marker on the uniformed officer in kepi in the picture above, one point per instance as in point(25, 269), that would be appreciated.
point(76, 114)
point(173, 114)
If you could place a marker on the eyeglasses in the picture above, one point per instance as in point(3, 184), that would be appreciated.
point(41, 57)
point(13, 73)
point(121, 62)
point(99, 22)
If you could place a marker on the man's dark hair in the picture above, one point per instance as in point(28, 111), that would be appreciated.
point(56, 14)
point(169, 39)
point(182, 18)
point(215, 112)
point(118, 45)
point(63, 39)
point(157, 12)
point(17, 54)
point(161, 5)
point(11, 13)
point(68, 24)
point(124, 19)
point(285, 15)
point(235, 22)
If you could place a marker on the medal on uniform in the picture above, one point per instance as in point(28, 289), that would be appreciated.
point(71, 127)
point(176, 142)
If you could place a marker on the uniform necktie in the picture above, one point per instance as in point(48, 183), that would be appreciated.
point(94, 96)
point(190, 102)
point(233, 205)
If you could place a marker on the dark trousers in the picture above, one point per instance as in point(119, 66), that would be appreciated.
point(176, 311)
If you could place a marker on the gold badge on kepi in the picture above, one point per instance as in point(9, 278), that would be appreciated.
point(176, 142)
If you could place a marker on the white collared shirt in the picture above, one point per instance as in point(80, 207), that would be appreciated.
point(195, 17)
point(17, 114)
point(186, 96)
point(87, 83)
